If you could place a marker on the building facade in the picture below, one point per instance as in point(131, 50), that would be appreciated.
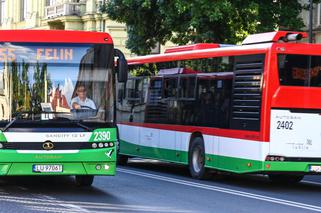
point(61, 15)
point(316, 20)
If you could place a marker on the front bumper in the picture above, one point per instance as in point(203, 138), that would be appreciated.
point(82, 162)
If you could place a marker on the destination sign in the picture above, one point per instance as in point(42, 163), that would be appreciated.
point(42, 54)
point(63, 54)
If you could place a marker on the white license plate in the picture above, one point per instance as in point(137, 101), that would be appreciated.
point(47, 168)
point(315, 168)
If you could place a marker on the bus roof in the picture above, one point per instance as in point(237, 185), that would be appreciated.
point(253, 44)
point(55, 36)
point(203, 53)
point(199, 46)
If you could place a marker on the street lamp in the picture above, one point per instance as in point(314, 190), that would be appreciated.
point(310, 20)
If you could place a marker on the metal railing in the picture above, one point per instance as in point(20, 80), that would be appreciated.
point(65, 9)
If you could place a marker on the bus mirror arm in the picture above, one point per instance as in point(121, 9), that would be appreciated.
point(122, 66)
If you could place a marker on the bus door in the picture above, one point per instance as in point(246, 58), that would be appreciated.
point(214, 95)
point(188, 107)
point(167, 142)
point(155, 114)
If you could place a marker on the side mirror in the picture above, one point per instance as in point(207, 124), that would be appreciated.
point(122, 66)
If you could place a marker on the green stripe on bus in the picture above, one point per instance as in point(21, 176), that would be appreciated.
point(2, 137)
point(223, 163)
point(7, 156)
point(155, 153)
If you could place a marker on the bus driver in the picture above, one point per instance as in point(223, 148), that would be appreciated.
point(81, 101)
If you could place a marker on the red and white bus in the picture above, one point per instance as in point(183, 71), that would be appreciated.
point(250, 108)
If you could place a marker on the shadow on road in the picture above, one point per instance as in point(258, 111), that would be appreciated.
point(60, 194)
point(56, 186)
point(253, 182)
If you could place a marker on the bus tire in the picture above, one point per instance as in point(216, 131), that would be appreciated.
point(285, 179)
point(196, 159)
point(122, 159)
point(84, 180)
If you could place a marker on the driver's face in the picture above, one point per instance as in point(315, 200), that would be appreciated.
point(81, 92)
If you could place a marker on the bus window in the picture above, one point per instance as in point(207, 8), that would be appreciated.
point(294, 70)
point(155, 90)
point(170, 87)
point(187, 87)
point(135, 89)
point(206, 115)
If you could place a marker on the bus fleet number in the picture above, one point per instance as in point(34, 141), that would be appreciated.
point(285, 125)
point(101, 136)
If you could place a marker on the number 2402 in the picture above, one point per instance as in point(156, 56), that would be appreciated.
point(285, 125)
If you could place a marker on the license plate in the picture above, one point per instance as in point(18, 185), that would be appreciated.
point(47, 168)
point(314, 168)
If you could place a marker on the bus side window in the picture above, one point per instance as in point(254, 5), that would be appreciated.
point(187, 99)
point(225, 103)
point(155, 90)
point(187, 87)
point(170, 87)
point(134, 89)
point(120, 92)
point(206, 96)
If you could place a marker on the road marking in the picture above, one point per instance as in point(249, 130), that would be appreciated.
point(311, 182)
point(223, 190)
point(54, 205)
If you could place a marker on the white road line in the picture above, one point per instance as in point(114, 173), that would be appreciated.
point(224, 190)
point(311, 182)
point(72, 207)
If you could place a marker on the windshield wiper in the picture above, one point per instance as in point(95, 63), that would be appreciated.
point(78, 123)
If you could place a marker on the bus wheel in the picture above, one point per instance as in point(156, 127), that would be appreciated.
point(84, 180)
point(122, 159)
point(285, 179)
point(196, 159)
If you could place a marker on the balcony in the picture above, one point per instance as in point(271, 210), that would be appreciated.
point(65, 9)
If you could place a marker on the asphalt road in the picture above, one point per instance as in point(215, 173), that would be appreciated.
point(151, 186)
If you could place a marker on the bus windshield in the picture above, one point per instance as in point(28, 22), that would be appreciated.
point(40, 81)
point(299, 70)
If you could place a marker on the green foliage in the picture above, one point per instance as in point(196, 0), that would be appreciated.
point(184, 21)
point(144, 70)
point(40, 86)
point(27, 96)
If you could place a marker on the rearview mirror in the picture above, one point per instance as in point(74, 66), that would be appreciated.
point(122, 66)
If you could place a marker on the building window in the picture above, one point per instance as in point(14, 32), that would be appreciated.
point(2, 11)
point(50, 2)
point(101, 6)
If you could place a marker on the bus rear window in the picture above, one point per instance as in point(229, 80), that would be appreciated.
point(299, 70)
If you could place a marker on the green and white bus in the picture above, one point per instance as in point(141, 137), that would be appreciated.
point(57, 103)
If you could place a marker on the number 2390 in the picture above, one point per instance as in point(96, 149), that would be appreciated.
point(101, 136)
point(285, 125)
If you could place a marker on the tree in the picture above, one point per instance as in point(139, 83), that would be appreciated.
point(40, 86)
point(184, 21)
point(25, 94)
